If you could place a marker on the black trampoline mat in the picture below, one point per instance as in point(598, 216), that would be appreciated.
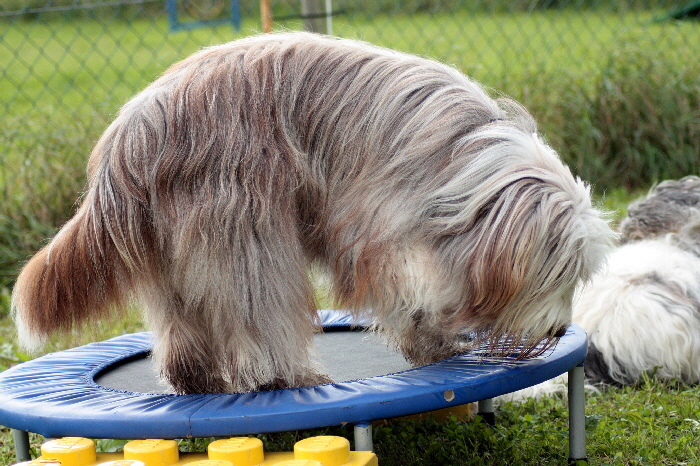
point(344, 355)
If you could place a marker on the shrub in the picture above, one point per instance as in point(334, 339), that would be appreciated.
point(637, 124)
point(647, 118)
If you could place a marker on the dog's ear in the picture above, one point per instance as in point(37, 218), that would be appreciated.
point(518, 247)
point(505, 237)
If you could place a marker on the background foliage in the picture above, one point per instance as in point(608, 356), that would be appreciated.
point(613, 83)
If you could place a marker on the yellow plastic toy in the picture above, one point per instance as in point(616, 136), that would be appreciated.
point(244, 451)
point(236, 451)
point(40, 462)
point(70, 451)
point(153, 452)
point(328, 450)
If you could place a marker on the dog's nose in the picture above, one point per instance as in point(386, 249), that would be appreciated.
point(559, 332)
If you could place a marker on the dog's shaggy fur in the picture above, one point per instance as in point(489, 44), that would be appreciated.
point(670, 207)
point(642, 312)
point(433, 205)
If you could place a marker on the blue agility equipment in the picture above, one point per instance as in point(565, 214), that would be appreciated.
point(90, 391)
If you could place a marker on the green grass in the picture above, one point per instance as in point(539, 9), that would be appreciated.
point(656, 424)
point(63, 63)
point(70, 66)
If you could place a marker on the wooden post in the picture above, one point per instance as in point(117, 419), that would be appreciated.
point(266, 15)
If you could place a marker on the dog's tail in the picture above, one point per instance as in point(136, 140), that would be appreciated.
point(87, 269)
point(78, 275)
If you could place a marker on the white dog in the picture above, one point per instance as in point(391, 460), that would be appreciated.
point(642, 311)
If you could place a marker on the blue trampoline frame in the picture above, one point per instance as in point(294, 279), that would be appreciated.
point(177, 25)
point(56, 395)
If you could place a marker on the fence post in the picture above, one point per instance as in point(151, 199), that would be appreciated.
point(266, 15)
point(312, 11)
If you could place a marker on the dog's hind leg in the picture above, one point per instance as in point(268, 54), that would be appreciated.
point(185, 350)
point(269, 337)
point(189, 362)
point(234, 319)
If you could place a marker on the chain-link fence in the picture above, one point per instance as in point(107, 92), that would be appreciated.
point(612, 82)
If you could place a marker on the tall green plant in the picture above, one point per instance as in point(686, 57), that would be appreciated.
point(39, 192)
point(637, 122)
point(647, 113)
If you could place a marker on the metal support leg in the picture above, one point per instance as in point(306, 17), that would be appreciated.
point(21, 439)
point(363, 437)
point(577, 417)
point(487, 412)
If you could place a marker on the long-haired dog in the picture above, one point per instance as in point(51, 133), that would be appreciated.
point(430, 203)
point(642, 311)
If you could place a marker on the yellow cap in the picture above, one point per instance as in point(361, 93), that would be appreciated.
point(329, 450)
point(153, 452)
point(123, 463)
point(210, 463)
point(299, 463)
point(70, 451)
point(241, 451)
point(40, 462)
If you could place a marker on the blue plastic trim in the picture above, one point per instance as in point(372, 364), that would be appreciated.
point(177, 25)
point(334, 319)
point(55, 395)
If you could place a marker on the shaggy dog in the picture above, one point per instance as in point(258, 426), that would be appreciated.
point(428, 202)
point(642, 312)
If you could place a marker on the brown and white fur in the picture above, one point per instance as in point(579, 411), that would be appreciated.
point(642, 309)
point(428, 202)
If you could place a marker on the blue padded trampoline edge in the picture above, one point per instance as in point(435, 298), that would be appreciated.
point(55, 404)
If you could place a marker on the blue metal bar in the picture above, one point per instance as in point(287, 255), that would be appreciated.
point(176, 25)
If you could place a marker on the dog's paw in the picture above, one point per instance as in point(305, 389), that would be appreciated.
point(423, 351)
point(308, 380)
point(316, 379)
point(200, 384)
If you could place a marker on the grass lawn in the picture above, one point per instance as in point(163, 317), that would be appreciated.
point(70, 65)
point(62, 82)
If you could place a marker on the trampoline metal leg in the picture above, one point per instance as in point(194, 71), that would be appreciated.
point(577, 417)
point(363, 437)
point(21, 439)
point(487, 412)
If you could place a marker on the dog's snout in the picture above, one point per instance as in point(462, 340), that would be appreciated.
point(558, 332)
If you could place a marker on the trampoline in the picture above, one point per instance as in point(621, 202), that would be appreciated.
point(110, 390)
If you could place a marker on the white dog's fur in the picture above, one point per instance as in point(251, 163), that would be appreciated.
point(643, 314)
point(428, 202)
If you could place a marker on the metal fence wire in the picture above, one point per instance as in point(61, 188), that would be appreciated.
point(66, 66)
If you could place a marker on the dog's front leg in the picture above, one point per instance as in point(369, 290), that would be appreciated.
point(423, 342)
